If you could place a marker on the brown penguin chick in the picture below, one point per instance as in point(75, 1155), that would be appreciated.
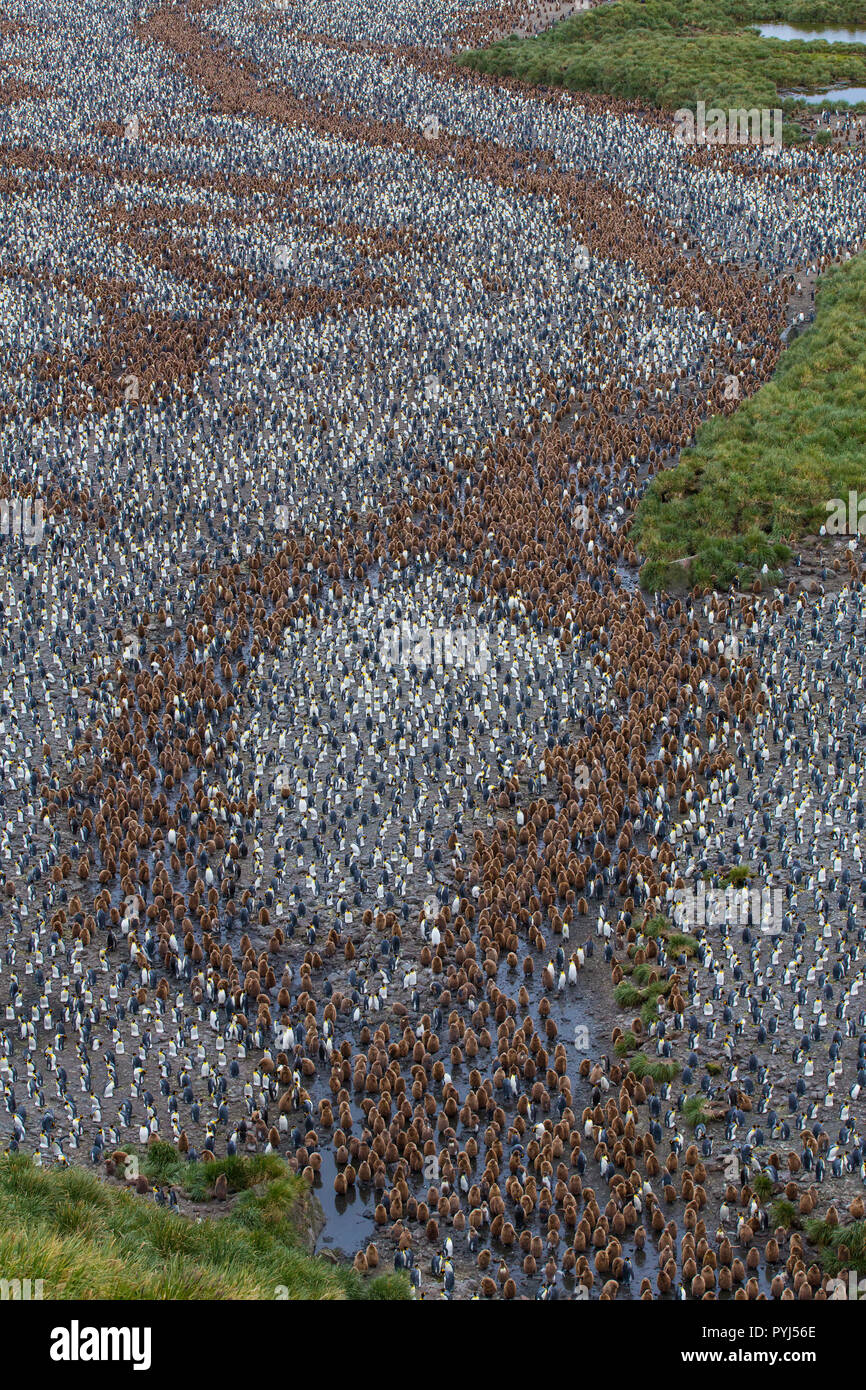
point(220, 1188)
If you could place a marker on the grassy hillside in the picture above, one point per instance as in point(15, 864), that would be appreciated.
point(88, 1238)
point(675, 53)
point(763, 476)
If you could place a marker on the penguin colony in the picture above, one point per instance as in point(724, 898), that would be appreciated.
point(307, 334)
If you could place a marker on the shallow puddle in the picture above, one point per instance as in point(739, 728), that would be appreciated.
point(788, 33)
point(843, 96)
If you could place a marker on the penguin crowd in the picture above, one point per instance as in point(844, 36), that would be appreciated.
point(317, 346)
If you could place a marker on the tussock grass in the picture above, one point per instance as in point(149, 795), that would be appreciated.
point(654, 926)
point(681, 945)
point(737, 876)
point(627, 995)
point(784, 1213)
point(674, 53)
point(763, 1186)
point(162, 1164)
point(88, 1239)
point(657, 1068)
point(639, 991)
point(694, 1111)
point(760, 479)
point(842, 1247)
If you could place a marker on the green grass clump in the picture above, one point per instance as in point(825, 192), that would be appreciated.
point(762, 478)
point(629, 996)
point(649, 1008)
point(657, 1068)
point(819, 1231)
point(674, 53)
point(627, 1042)
point(681, 945)
point(655, 925)
point(784, 1213)
point(841, 1247)
point(793, 133)
point(88, 1239)
point(162, 1164)
point(737, 876)
point(694, 1111)
point(763, 1186)
point(626, 995)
